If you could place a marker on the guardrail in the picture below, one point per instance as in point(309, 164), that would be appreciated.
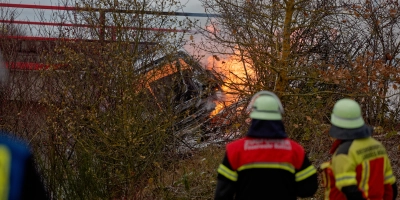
point(102, 26)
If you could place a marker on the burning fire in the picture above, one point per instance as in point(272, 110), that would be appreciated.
point(235, 73)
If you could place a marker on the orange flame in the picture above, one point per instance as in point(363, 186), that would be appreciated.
point(235, 72)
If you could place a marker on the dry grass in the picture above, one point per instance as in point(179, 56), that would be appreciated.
point(191, 178)
point(195, 177)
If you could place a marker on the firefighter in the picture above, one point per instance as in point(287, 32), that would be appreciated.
point(360, 167)
point(265, 164)
point(19, 178)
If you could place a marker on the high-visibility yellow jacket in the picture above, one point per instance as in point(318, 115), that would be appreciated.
point(363, 165)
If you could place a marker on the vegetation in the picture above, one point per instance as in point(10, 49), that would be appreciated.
point(98, 131)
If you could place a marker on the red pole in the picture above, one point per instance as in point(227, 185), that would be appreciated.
point(88, 26)
point(16, 5)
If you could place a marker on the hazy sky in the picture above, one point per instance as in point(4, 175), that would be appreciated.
point(191, 5)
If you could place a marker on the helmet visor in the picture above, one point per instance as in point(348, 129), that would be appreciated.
point(347, 122)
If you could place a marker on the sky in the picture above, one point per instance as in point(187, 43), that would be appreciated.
point(190, 6)
point(26, 14)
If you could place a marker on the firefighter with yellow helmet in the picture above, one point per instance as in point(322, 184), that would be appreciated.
point(265, 164)
point(360, 167)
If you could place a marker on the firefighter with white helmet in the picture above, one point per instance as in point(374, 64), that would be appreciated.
point(360, 167)
point(265, 164)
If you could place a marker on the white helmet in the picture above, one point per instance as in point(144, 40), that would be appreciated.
point(347, 114)
point(265, 105)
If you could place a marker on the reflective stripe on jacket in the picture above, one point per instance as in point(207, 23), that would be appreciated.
point(19, 178)
point(364, 163)
point(260, 168)
point(331, 192)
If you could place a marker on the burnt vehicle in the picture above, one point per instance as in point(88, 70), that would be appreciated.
point(181, 82)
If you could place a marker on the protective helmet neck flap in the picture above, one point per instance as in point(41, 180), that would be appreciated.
point(265, 105)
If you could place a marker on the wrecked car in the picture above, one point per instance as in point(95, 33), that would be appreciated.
point(185, 84)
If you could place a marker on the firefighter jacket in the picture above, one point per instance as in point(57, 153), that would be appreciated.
point(359, 169)
point(265, 165)
point(18, 176)
point(331, 192)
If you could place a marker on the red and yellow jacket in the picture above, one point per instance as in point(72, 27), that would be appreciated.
point(265, 168)
point(265, 165)
point(359, 167)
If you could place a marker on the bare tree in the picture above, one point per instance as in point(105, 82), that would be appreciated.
point(311, 53)
point(111, 112)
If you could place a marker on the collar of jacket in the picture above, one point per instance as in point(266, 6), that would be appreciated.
point(350, 134)
point(267, 129)
point(335, 145)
